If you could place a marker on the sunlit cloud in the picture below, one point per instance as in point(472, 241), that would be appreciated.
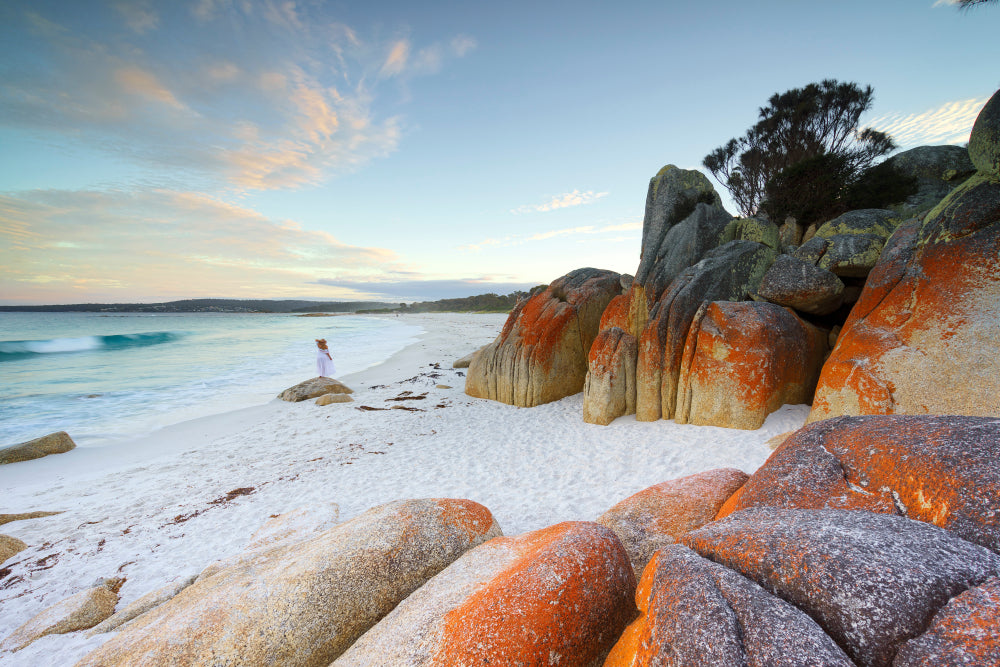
point(583, 231)
point(575, 198)
point(154, 243)
point(301, 106)
point(949, 123)
point(420, 289)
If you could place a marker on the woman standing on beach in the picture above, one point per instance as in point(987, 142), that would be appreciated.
point(324, 362)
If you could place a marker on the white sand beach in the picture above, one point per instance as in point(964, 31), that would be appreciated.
point(160, 507)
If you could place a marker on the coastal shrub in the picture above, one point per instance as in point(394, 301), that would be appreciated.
point(801, 123)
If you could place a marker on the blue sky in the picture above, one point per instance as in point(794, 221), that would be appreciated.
point(408, 151)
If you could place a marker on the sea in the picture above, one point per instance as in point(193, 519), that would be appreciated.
point(107, 377)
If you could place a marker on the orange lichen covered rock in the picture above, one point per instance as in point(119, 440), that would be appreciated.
point(560, 595)
point(659, 515)
point(541, 354)
point(965, 632)
point(941, 470)
point(744, 360)
point(922, 337)
point(609, 389)
point(871, 581)
point(694, 612)
point(304, 602)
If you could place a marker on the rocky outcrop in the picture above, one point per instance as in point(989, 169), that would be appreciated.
point(937, 170)
point(798, 284)
point(921, 338)
point(938, 469)
point(656, 517)
point(560, 595)
point(9, 546)
point(77, 612)
point(871, 581)
point(609, 387)
point(541, 354)
point(53, 443)
point(314, 388)
point(984, 142)
point(694, 612)
point(728, 273)
point(304, 602)
point(964, 632)
point(744, 360)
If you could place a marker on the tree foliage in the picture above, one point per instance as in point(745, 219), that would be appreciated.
point(799, 124)
point(968, 4)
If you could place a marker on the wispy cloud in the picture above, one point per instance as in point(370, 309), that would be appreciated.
point(150, 243)
point(301, 106)
point(949, 123)
point(583, 232)
point(419, 289)
point(566, 200)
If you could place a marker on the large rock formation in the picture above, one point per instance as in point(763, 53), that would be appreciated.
point(53, 443)
point(77, 612)
point(304, 603)
point(937, 170)
point(871, 581)
point(850, 245)
point(560, 595)
point(694, 612)
point(922, 338)
point(744, 360)
point(657, 516)
point(609, 388)
point(938, 469)
point(541, 354)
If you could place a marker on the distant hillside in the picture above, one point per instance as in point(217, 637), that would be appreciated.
point(482, 303)
point(207, 306)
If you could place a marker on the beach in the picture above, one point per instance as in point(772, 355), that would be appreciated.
point(166, 505)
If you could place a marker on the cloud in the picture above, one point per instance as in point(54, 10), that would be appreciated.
point(566, 200)
point(428, 290)
point(949, 123)
point(584, 231)
point(462, 45)
point(141, 244)
point(271, 94)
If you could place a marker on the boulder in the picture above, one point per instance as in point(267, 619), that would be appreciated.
point(937, 169)
point(9, 546)
point(609, 388)
point(297, 524)
point(744, 360)
point(694, 612)
point(314, 388)
point(657, 516)
point(964, 632)
point(541, 354)
point(921, 338)
point(53, 443)
point(871, 581)
point(728, 273)
point(984, 142)
point(77, 612)
point(330, 399)
point(560, 595)
point(796, 283)
point(752, 229)
point(465, 361)
point(850, 245)
point(140, 606)
point(304, 602)
point(938, 469)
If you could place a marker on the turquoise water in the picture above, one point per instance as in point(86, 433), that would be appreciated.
point(103, 378)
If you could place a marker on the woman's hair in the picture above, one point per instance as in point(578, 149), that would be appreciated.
point(321, 342)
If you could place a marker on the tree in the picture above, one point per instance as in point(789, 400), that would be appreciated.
point(968, 4)
point(796, 125)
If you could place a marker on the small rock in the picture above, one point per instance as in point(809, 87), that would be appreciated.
point(442, 386)
point(330, 399)
point(54, 443)
point(10, 546)
point(77, 612)
point(313, 388)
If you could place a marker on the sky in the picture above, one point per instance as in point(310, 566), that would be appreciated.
point(403, 151)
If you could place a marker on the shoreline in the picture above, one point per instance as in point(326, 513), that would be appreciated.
point(163, 507)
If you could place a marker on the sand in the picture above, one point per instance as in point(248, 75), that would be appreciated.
point(160, 507)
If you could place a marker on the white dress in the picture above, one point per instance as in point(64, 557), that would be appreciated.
point(324, 364)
